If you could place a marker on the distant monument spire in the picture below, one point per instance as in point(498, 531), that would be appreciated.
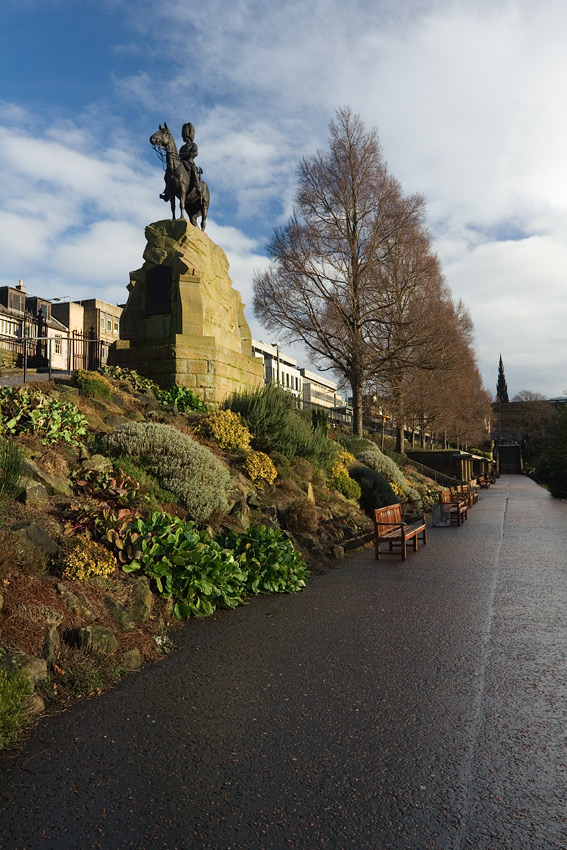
point(501, 386)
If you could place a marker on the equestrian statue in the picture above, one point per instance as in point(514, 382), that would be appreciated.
point(182, 177)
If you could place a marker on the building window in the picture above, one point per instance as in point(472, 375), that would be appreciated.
point(57, 344)
point(109, 326)
point(115, 327)
point(102, 322)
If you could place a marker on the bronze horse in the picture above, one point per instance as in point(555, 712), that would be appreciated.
point(179, 182)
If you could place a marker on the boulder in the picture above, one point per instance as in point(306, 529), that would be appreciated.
point(141, 601)
point(115, 421)
point(34, 494)
point(54, 484)
point(34, 668)
point(338, 552)
point(97, 463)
point(32, 533)
point(75, 604)
point(120, 614)
point(132, 659)
point(35, 705)
point(98, 638)
point(51, 645)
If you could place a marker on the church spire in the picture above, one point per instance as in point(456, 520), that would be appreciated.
point(501, 386)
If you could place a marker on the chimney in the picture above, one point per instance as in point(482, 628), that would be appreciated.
point(21, 286)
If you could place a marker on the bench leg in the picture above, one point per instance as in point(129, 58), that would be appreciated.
point(376, 548)
point(425, 537)
point(404, 548)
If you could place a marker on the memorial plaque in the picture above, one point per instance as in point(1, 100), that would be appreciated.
point(158, 290)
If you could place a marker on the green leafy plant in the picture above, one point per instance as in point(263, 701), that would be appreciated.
point(270, 561)
point(29, 410)
point(131, 377)
point(15, 689)
point(183, 398)
point(186, 565)
point(180, 464)
point(12, 466)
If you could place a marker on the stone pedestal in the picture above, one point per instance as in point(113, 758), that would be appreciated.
point(184, 324)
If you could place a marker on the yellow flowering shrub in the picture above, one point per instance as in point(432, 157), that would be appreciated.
point(259, 468)
point(227, 430)
point(86, 560)
point(346, 458)
point(339, 479)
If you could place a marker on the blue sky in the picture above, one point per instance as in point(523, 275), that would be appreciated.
point(468, 97)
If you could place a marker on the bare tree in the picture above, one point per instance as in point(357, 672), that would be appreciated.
point(326, 285)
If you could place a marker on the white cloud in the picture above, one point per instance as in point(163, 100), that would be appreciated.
point(468, 101)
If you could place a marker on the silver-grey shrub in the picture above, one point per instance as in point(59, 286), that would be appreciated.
point(181, 465)
point(381, 463)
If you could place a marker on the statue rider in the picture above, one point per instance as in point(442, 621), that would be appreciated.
point(187, 154)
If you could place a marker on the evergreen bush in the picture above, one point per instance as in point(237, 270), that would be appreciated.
point(278, 426)
point(375, 491)
point(92, 384)
point(180, 464)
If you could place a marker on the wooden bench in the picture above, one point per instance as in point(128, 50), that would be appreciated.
point(391, 528)
point(483, 482)
point(458, 506)
point(463, 491)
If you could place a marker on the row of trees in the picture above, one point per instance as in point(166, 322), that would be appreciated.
point(354, 277)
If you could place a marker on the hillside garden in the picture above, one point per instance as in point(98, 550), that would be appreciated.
point(125, 508)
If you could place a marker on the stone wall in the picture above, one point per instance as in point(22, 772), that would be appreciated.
point(184, 323)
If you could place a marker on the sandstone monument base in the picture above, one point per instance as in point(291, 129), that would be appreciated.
point(184, 324)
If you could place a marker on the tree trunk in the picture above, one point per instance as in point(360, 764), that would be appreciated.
point(356, 409)
point(400, 438)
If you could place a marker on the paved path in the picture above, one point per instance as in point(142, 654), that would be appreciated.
point(419, 705)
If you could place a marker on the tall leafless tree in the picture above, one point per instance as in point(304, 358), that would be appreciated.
point(326, 285)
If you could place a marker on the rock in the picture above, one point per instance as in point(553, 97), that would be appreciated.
point(75, 604)
point(54, 484)
point(35, 534)
point(132, 659)
point(118, 401)
point(305, 540)
point(34, 494)
point(51, 645)
point(141, 601)
point(97, 463)
point(94, 637)
point(83, 452)
point(148, 401)
point(337, 552)
point(120, 614)
point(308, 490)
point(115, 421)
point(135, 416)
point(65, 388)
point(253, 500)
point(36, 705)
point(241, 513)
point(34, 668)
